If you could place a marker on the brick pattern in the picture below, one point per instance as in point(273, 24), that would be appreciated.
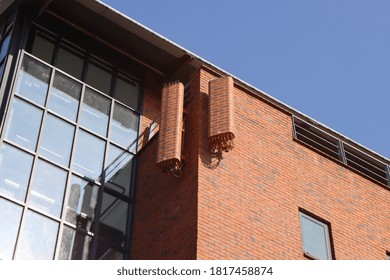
point(165, 217)
point(171, 124)
point(221, 114)
point(248, 205)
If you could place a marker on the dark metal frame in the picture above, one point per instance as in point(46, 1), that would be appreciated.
point(344, 153)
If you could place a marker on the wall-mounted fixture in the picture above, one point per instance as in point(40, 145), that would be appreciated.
point(171, 126)
point(221, 115)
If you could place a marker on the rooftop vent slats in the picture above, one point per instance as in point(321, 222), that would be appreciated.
point(365, 164)
point(316, 138)
point(330, 145)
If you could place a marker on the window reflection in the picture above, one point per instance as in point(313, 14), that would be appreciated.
point(48, 187)
point(124, 127)
point(95, 111)
point(88, 158)
point(32, 245)
point(113, 219)
point(43, 48)
point(74, 245)
point(65, 96)
point(9, 226)
point(33, 80)
point(98, 78)
point(127, 92)
point(57, 140)
point(15, 170)
point(70, 62)
point(24, 123)
point(106, 251)
point(4, 47)
point(118, 170)
point(81, 203)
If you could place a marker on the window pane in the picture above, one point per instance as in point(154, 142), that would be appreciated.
point(48, 187)
point(113, 219)
point(105, 251)
point(98, 78)
point(65, 96)
point(74, 245)
point(15, 170)
point(81, 204)
point(57, 139)
point(118, 170)
point(314, 235)
point(127, 92)
point(124, 127)
point(4, 47)
point(9, 226)
point(95, 111)
point(43, 48)
point(70, 63)
point(33, 80)
point(88, 159)
point(24, 123)
point(38, 238)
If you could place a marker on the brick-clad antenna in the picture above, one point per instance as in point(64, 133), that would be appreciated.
point(221, 114)
point(171, 125)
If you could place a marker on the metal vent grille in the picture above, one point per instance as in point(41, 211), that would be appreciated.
point(335, 148)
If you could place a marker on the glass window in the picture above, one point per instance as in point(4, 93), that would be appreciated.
point(43, 48)
point(113, 218)
point(15, 170)
point(74, 245)
point(81, 203)
point(23, 124)
point(118, 170)
point(95, 112)
point(124, 127)
point(127, 92)
point(98, 78)
point(47, 188)
point(4, 47)
point(33, 80)
point(315, 238)
point(9, 226)
point(64, 96)
point(57, 139)
point(70, 63)
point(89, 155)
point(32, 245)
point(106, 251)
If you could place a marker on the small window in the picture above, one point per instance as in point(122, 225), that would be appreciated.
point(315, 237)
point(388, 255)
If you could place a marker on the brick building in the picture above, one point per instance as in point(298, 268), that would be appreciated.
point(117, 143)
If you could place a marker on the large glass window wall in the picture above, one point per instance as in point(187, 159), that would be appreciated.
point(66, 164)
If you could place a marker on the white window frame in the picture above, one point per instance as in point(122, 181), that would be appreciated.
point(327, 236)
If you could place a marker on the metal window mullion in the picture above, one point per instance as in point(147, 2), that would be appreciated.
point(294, 128)
point(69, 177)
point(32, 175)
point(342, 156)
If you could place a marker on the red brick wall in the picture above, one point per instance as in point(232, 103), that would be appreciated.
point(248, 205)
point(166, 206)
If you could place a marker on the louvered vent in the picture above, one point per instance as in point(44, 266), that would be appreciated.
point(221, 114)
point(364, 163)
point(347, 154)
point(316, 138)
point(171, 125)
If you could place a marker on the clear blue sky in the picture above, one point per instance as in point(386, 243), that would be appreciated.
point(329, 59)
